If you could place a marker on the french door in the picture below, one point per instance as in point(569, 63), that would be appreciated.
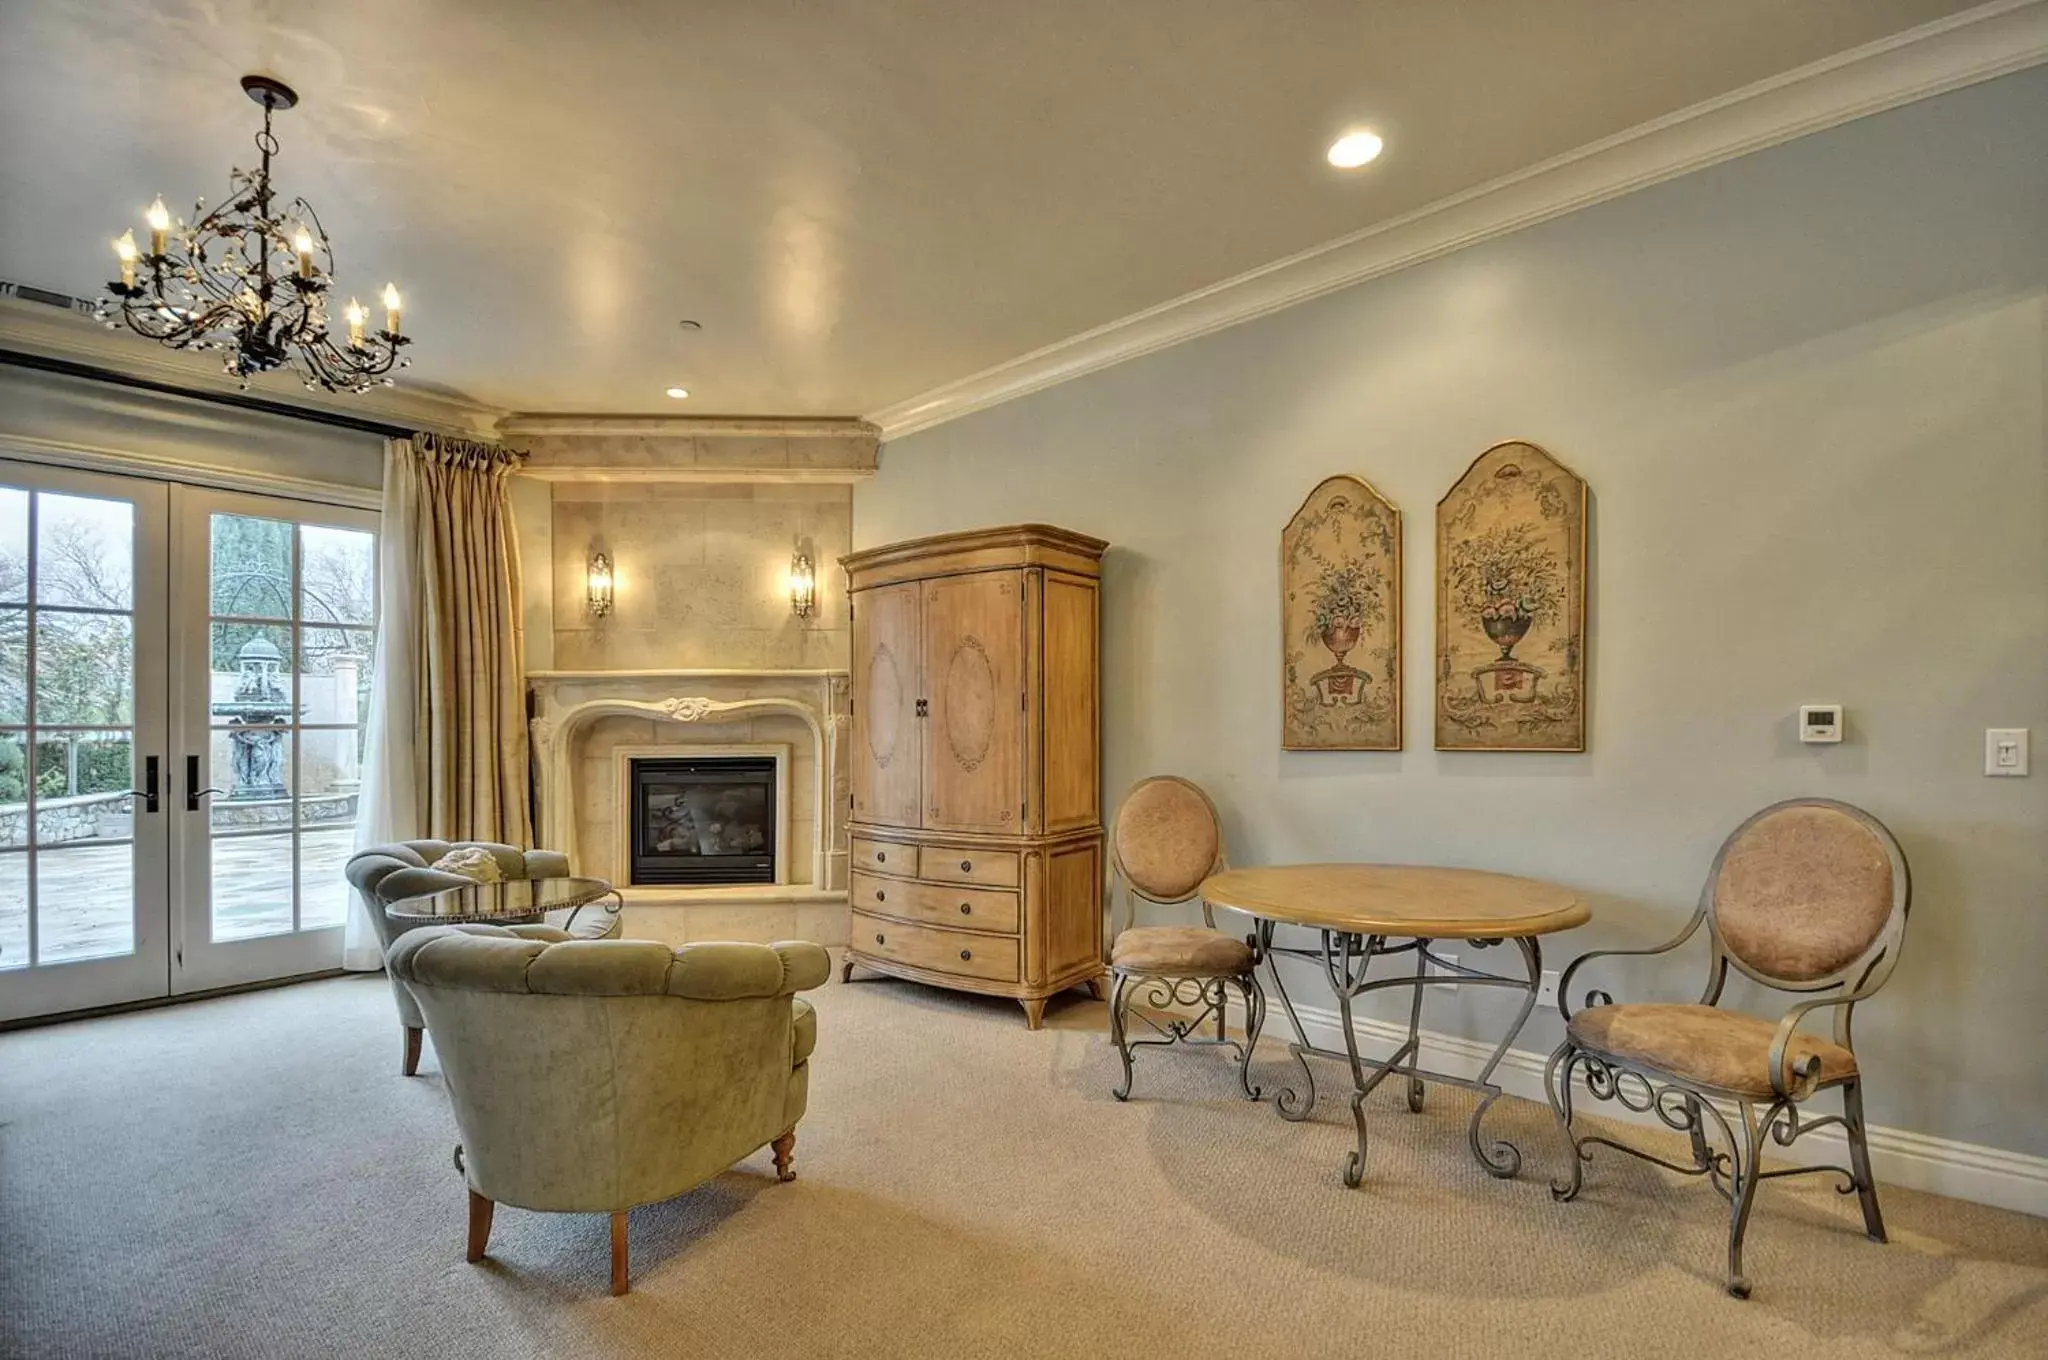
point(271, 638)
point(183, 685)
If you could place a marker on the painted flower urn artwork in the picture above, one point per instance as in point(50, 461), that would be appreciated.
point(1511, 594)
point(1340, 605)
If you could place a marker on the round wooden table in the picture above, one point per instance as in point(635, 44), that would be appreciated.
point(1364, 912)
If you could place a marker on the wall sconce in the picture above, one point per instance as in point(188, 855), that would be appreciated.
point(600, 585)
point(803, 586)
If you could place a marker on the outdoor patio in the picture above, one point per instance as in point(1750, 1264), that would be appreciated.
point(86, 907)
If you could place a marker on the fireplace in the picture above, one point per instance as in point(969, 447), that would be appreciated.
point(703, 819)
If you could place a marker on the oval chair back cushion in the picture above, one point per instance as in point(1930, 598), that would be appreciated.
point(1166, 838)
point(1802, 892)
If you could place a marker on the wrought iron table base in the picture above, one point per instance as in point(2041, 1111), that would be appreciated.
point(612, 903)
point(1346, 960)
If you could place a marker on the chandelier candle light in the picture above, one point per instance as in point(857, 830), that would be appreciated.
point(252, 282)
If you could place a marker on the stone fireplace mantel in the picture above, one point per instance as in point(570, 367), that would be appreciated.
point(682, 709)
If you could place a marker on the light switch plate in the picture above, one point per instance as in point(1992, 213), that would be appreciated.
point(2005, 752)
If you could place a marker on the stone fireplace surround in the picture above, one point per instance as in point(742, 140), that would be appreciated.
point(585, 724)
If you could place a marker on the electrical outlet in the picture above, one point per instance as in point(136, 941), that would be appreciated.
point(1441, 972)
point(1546, 989)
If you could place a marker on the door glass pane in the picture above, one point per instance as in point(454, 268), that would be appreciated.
point(329, 767)
point(85, 901)
point(13, 545)
point(85, 668)
point(337, 574)
point(252, 886)
point(13, 912)
point(13, 663)
point(334, 675)
point(323, 888)
point(252, 767)
point(252, 672)
point(252, 567)
point(82, 784)
point(13, 788)
point(85, 552)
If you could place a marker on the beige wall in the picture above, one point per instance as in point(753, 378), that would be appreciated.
point(700, 575)
point(1807, 390)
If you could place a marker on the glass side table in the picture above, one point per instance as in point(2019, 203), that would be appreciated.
point(520, 901)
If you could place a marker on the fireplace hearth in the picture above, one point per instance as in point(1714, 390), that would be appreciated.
point(703, 820)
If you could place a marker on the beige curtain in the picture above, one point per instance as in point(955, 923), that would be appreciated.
point(454, 692)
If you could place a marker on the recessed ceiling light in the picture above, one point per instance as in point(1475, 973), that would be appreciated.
point(1354, 149)
point(679, 392)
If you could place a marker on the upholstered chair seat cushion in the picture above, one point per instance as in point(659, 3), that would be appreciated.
point(806, 1035)
point(1704, 1045)
point(1183, 951)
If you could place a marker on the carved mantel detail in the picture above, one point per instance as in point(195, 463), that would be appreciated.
point(565, 702)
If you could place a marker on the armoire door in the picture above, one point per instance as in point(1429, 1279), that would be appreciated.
point(974, 686)
point(887, 761)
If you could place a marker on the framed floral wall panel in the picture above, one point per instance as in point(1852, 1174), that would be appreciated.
point(1511, 605)
point(1340, 620)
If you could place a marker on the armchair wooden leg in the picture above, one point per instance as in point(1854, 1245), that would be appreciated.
point(409, 1065)
point(785, 1153)
point(479, 1225)
point(618, 1253)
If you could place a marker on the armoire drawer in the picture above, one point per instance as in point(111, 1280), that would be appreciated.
point(990, 868)
point(995, 958)
point(940, 903)
point(883, 857)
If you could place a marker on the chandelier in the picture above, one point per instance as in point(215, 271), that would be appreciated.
point(251, 281)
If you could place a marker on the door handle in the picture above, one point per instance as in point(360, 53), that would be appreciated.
point(193, 793)
point(147, 793)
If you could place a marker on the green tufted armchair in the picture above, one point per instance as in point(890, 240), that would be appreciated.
point(389, 873)
point(590, 1076)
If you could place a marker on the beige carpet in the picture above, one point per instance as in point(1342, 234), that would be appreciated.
point(252, 1177)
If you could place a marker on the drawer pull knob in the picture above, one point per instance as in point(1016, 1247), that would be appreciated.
point(967, 909)
point(881, 896)
point(966, 866)
point(881, 856)
point(966, 954)
point(880, 940)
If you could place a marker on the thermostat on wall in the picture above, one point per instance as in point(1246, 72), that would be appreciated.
point(1820, 722)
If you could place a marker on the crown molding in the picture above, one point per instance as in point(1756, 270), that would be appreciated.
point(540, 425)
point(37, 328)
point(1976, 45)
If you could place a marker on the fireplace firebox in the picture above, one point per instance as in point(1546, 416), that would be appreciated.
point(703, 820)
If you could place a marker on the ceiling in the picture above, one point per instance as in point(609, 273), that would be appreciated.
point(859, 200)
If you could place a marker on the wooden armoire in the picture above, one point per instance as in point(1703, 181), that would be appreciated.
point(977, 803)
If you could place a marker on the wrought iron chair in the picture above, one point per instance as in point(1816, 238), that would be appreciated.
point(1166, 839)
point(1807, 895)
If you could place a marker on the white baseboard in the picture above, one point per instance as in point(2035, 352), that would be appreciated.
point(1941, 1166)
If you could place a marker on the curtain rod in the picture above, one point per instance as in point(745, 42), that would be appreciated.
point(239, 400)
